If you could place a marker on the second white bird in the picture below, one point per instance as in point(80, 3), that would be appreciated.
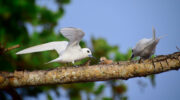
point(145, 48)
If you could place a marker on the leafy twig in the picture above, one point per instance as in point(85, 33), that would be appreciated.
point(177, 48)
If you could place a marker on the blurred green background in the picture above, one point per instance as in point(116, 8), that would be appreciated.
point(15, 15)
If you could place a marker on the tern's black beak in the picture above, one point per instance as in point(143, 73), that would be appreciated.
point(92, 56)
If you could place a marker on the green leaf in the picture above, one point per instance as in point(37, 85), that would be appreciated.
point(49, 97)
point(106, 98)
point(152, 79)
point(99, 89)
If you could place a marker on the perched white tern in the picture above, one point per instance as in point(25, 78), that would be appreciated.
point(145, 48)
point(68, 51)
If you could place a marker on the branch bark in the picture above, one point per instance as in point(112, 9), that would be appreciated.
point(117, 70)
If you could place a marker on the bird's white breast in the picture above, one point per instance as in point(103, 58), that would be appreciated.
point(72, 55)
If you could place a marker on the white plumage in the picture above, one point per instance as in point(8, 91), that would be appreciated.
point(59, 46)
point(68, 51)
point(146, 47)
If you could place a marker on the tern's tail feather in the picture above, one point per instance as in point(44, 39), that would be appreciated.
point(59, 46)
point(154, 33)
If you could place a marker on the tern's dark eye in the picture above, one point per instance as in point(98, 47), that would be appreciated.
point(88, 51)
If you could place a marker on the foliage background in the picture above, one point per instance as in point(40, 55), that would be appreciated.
point(28, 23)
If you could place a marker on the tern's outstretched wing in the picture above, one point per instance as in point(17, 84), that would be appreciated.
point(73, 34)
point(59, 46)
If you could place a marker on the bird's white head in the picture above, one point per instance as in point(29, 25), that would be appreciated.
point(87, 52)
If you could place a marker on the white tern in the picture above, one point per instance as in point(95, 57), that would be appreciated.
point(145, 48)
point(68, 51)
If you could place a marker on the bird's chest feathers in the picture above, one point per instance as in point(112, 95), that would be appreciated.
point(72, 55)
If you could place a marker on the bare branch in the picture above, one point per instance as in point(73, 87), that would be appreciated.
point(117, 70)
point(13, 47)
point(3, 49)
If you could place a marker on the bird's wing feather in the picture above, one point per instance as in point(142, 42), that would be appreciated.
point(55, 60)
point(152, 45)
point(73, 34)
point(59, 46)
point(143, 43)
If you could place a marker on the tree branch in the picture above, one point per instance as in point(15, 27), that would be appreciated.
point(117, 70)
point(13, 47)
point(3, 49)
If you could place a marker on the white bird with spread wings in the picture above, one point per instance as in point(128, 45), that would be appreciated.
point(68, 51)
